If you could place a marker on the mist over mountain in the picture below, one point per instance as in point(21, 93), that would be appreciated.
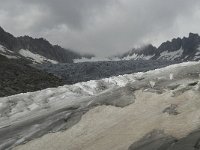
point(37, 46)
point(41, 51)
point(181, 49)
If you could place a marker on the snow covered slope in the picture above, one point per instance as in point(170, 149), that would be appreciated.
point(9, 54)
point(129, 57)
point(181, 49)
point(36, 58)
point(26, 54)
point(111, 113)
point(171, 55)
point(135, 56)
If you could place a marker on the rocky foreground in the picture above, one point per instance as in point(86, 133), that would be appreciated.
point(156, 110)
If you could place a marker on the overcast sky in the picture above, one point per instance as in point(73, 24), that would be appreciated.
point(101, 27)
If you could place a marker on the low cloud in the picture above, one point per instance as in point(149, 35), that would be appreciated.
point(101, 27)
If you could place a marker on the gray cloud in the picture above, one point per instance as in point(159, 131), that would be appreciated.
point(102, 27)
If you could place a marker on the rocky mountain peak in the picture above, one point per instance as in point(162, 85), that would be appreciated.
point(37, 46)
point(181, 49)
point(193, 35)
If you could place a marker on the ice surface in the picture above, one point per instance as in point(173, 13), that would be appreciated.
point(25, 104)
point(25, 107)
point(108, 127)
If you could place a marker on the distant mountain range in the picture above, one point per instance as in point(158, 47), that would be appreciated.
point(40, 51)
point(35, 50)
point(179, 49)
point(18, 56)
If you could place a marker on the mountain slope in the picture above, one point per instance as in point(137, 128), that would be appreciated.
point(18, 77)
point(185, 49)
point(37, 47)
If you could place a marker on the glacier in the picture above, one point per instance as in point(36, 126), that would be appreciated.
point(117, 111)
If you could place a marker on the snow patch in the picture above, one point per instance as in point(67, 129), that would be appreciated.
point(152, 83)
point(5, 50)
point(2, 49)
point(10, 57)
point(171, 76)
point(197, 55)
point(171, 55)
point(95, 59)
point(36, 57)
point(33, 106)
point(7, 53)
point(129, 57)
point(136, 57)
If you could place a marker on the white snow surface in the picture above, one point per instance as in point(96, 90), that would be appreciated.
point(197, 55)
point(136, 57)
point(171, 55)
point(10, 56)
point(95, 59)
point(7, 53)
point(36, 57)
point(27, 105)
point(2, 49)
